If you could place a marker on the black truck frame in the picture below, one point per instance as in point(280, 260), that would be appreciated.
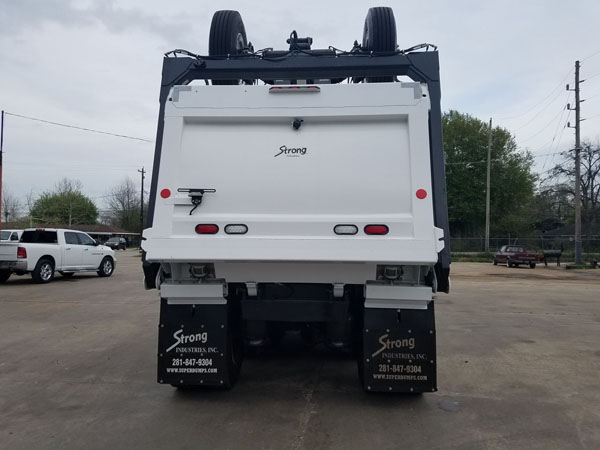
point(379, 326)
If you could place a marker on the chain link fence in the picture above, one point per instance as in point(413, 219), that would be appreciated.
point(566, 243)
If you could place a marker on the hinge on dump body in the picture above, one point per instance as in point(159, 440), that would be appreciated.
point(196, 195)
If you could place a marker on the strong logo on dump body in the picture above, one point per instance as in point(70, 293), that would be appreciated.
point(291, 151)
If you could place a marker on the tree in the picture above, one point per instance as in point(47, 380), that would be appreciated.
point(11, 205)
point(66, 204)
point(512, 181)
point(123, 203)
point(563, 176)
point(553, 207)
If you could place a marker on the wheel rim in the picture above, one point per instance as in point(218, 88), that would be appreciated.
point(107, 267)
point(46, 272)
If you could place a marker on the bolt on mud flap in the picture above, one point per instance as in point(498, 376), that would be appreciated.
point(199, 340)
point(398, 352)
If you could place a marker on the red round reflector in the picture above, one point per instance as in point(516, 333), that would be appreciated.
point(165, 193)
point(421, 194)
point(376, 229)
point(207, 229)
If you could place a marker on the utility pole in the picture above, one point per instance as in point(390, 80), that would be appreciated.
point(487, 193)
point(1, 145)
point(578, 243)
point(143, 172)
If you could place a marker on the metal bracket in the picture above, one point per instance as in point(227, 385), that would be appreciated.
point(252, 288)
point(338, 290)
point(196, 196)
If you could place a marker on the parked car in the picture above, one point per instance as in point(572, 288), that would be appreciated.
point(117, 243)
point(41, 252)
point(10, 235)
point(513, 255)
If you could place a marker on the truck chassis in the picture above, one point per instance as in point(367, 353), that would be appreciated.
point(203, 326)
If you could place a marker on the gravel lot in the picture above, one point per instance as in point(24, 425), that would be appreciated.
point(518, 367)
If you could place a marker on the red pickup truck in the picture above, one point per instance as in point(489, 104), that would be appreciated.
point(513, 255)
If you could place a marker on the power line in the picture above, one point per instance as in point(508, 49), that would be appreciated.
point(91, 130)
point(590, 77)
point(493, 160)
point(556, 131)
point(541, 101)
point(544, 127)
point(591, 56)
point(560, 139)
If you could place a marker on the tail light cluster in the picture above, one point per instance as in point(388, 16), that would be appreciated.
point(344, 229)
point(209, 228)
point(240, 228)
point(21, 253)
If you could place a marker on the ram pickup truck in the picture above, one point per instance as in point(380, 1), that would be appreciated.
point(514, 255)
point(42, 252)
point(298, 191)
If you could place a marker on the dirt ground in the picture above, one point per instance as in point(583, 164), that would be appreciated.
point(518, 368)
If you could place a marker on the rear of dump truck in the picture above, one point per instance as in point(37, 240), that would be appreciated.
point(306, 197)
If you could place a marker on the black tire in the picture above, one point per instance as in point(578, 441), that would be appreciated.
point(532, 265)
point(43, 272)
point(379, 35)
point(4, 275)
point(227, 37)
point(107, 267)
point(67, 274)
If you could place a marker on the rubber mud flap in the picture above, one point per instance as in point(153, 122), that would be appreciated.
point(398, 350)
point(196, 346)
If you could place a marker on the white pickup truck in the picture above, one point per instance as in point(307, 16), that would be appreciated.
point(300, 192)
point(41, 252)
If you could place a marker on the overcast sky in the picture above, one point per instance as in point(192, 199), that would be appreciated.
point(97, 64)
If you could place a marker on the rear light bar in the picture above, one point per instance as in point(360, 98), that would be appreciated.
point(207, 229)
point(377, 229)
point(296, 88)
point(21, 253)
point(345, 229)
point(236, 229)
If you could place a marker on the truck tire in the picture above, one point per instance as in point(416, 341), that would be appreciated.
point(227, 37)
point(379, 35)
point(43, 272)
point(4, 275)
point(532, 265)
point(107, 267)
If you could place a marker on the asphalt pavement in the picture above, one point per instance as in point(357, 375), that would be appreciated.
point(518, 368)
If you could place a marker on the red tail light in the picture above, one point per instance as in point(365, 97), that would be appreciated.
point(21, 253)
point(207, 229)
point(376, 229)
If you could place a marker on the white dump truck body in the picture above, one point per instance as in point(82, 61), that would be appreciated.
point(360, 157)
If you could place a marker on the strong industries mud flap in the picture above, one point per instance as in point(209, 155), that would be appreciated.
point(398, 340)
point(199, 341)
